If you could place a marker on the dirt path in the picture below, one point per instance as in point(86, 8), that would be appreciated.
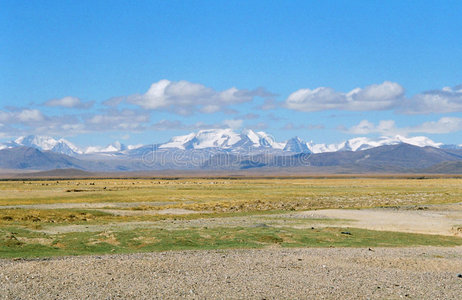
point(335, 273)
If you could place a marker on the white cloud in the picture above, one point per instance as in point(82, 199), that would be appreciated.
point(117, 120)
point(4, 116)
point(168, 125)
point(32, 121)
point(443, 125)
point(439, 101)
point(269, 104)
point(260, 126)
point(292, 126)
point(29, 115)
point(114, 101)
point(385, 96)
point(382, 96)
point(185, 98)
point(208, 109)
point(178, 125)
point(233, 124)
point(68, 102)
point(22, 116)
point(388, 127)
point(250, 116)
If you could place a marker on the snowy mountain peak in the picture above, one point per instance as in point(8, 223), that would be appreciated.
point(212, 138)
point(41, 142)
point(48, 144)
point(364, 143)
point(296, 145)
point(262, 139)
point(223, 139)
point(114, 147)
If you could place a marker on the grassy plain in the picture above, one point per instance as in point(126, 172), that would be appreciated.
point(70, 217)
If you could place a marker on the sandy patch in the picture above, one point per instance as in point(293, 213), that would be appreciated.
point(440, 222)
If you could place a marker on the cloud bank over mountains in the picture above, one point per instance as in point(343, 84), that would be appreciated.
point(389, 128)
point(188, 106)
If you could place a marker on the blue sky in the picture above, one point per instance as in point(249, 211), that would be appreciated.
point(139, 72)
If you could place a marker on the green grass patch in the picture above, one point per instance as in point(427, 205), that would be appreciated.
point(17, 242)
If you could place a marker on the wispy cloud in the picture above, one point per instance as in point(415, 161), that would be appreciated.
point(22, 116)
point(33, 121)
point(69, 102)
point(233, 124)
point(292, 126)
point(124, 120)
point(388, 127)
point(250, 116)
point(437, 101)
point(179, 125)
point(269, 104)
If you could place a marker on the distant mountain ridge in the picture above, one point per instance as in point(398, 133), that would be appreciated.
point(222, 140)
point(225, 149)
point(32, 158)
point(399, 158)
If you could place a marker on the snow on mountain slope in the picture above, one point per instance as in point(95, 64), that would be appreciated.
point(112, 148)
point(178, 141)
point(223, 139)
point(321, 148)
point(48, 144)
point(420, 141)
point(364, 143)
point(296, 145)
point(266, 140)
point(42, 142)
point(218, 138)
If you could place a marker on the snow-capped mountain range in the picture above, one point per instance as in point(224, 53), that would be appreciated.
point(63, 146)
point(225, 140)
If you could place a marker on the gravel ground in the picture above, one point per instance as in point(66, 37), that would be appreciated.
point(311, 273)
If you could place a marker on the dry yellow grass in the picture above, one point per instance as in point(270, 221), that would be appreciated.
point(237, 194)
